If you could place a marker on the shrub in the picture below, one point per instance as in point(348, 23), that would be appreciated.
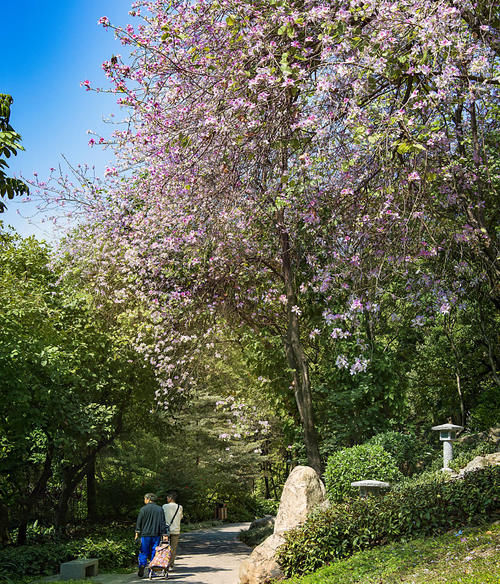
point(415, 509)
point(113, 549)
point(254, 537)
point(366, 461)
point(404, 448)
point(36, 560)
point(266, 507)
point(464, 453)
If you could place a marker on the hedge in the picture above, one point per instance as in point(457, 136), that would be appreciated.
point(364, 461)
point(416, 509)
point(45, 558)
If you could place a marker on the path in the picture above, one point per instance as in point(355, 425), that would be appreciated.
point(207, 556)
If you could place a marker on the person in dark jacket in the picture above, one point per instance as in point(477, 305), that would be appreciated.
point(150, 527)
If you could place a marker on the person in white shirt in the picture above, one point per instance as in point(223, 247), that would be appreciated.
point(173, 516)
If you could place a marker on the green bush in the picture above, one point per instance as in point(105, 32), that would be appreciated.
point(27, 560)
point(415, 509)
point(366, 461)
point(404, 448)
point(254, 537)
point(266, 507)
point(113, 549)
point(464, 453)
point(422, 560)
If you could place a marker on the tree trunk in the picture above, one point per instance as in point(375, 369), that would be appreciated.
point(4, 524)
point(72, 478)
point(73, 475)
point(62, 508)
point(22, 532)
point(295, 354)
point(303, 399)
point(91, 492)
point(32, 498)
point(456, 367)
point(267, 494)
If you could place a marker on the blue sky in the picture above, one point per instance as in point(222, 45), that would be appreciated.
point(48, 48)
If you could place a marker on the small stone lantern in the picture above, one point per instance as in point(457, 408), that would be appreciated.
point(370, 487)
point(447, 433)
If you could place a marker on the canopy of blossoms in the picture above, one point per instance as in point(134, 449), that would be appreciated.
point(297, 167)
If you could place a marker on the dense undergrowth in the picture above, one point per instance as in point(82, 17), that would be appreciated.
point(425, 506)
point(462, 556)
point(114, 546)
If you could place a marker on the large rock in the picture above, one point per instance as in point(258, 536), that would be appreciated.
point(261, 565)
point(303, 492)
point(481, 462)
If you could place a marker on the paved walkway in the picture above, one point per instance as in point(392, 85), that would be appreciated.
point(207, 556)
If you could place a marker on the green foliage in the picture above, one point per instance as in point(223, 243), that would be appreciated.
point(9, 145)
point(464, 453)
point(42, 559)
point(416, 508)
point(404, 448)
point(362, 462)
point(115, 548)
point(465, 555)
point(452, 368)
point(486, 411)
point(266, 506)
point(350, 408)
point(197, 452)
point(68, 381)
point(116, 551)
point(254, 537)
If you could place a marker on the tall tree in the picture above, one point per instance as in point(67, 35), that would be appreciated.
point(68, 381)
point(293, 165)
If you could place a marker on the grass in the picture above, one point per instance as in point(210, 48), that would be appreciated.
point(467, 556)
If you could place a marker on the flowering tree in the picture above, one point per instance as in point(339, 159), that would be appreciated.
point(295, 167)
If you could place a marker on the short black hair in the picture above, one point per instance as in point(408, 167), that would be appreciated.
point(172, 495)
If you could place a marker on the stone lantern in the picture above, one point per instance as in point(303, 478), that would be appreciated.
point(447, 433)
point(369, 487)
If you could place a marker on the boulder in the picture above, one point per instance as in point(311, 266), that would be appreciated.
point(261, 565)
point(481, 462)
point(303, 492)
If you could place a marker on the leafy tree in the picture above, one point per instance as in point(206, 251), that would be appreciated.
point(9, 145)
point(453, 369)
point(215, 447)
point(68, 382)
